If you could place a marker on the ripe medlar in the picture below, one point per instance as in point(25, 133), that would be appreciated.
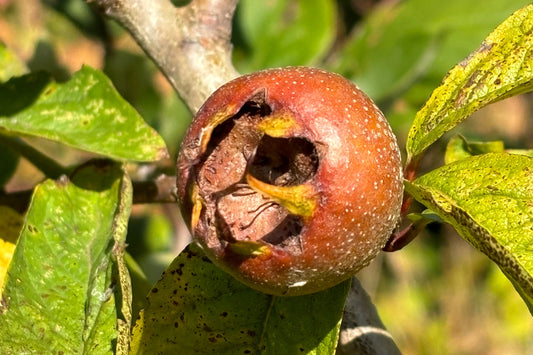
point(290, 179)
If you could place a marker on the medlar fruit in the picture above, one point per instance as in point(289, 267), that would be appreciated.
point(290, 179)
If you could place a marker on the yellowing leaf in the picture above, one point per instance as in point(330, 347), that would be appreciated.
point(10, 225)
point(63, 288)
point(501, 67)
point(6, 253)
point(489, 200)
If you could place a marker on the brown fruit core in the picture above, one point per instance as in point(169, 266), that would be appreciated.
point(233, 211)
point(284, 161)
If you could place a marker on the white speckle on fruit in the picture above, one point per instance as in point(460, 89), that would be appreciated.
point(359, 178)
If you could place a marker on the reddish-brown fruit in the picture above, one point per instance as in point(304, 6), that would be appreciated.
point(290, 179)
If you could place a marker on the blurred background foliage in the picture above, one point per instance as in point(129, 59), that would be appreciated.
point(436, 296)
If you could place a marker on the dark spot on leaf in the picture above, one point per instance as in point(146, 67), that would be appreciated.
point(251, 333)
point(154, 290)
point(48, 91)
point(483, 48)
point(212, 339)
point(497, 81)
point(224, 314)
point(32, 229)
point(4, 305)
point(176, 324)
point(302, 350)
point(175, 291)
point(473, 79)
point(459, 101)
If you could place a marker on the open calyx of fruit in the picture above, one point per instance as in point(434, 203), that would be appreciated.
point(290, 179)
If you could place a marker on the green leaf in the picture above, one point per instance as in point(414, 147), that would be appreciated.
point(139, 285)
point(528, 152)
point(86, 113)
point(198, 308)
point(283, 32)
point(383, 56)
point(501, 67)
point(489, 200)
point(10, 65)
point(60, 294)
point(459, 148)
point(124, 305)
point(410, 45)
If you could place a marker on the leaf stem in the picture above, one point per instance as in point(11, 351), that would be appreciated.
point(411, 168)
point(160, 190)
point(405, 236)
point(191, 44)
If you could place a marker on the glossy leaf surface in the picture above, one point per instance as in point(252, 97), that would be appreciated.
point(489, 200)
point(85, 113)
point(61, 288)
point(282, 32)
point(196, 308)
point(501, 67)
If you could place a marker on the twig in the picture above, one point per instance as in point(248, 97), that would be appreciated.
point(160, 190)
point(190, 44)
point(362, 332)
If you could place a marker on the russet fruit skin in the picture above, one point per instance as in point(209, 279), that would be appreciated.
point(290, 179)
